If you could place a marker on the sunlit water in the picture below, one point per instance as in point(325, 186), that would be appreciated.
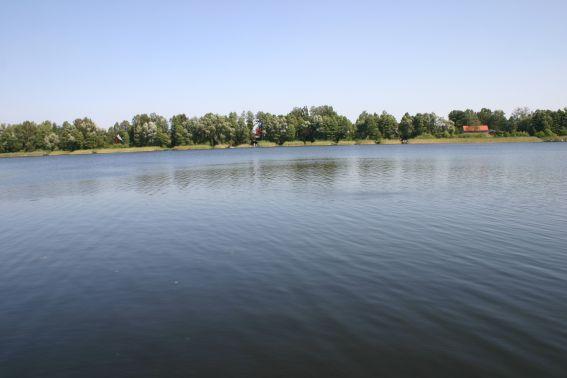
point(287, 262)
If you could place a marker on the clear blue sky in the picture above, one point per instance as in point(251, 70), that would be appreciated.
point(109, 60)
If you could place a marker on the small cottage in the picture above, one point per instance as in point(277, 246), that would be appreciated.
point(476, 129)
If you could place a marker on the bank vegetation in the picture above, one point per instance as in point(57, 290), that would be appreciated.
point(320, 125)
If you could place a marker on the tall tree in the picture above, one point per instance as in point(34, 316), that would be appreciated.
point(542, 121)
point(71, 138)
point(215, 128)
point(388, 126)
point(242, 133)
point(275, 127)
point(367, 126)
point(301, 121)
point(498, 121)
point(406, 127)
point(179, 133)
point(149, 130)
point(92, 136)
point(9, 140)
point(520, 120)
point(484, 116)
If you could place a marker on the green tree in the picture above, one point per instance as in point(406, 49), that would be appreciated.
point(180, 135)
point(46, 137)
point(250, 120)
point(458, 118)
point(521, 120)
point(441, 127)
point(196, 131)
point(9, 141)
point(406, 127)
point(71, 138)
point(422, 124)
point(242, 132)
point(323, 110)
point(275, 127)
point(542, 121)
point(162, 138)
point(92, 136)
point(300, 120)
point(26, 134)
point(149, 130)
point(498, 121)
point(560, 122)
point(215, 129)
point(484, 116)
point(367, 126)
point(332, 127)
point(326, 123)
point(388, 126)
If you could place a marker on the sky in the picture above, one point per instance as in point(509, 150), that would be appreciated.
point(110, 60)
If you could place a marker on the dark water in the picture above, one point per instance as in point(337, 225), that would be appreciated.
point(292, 262)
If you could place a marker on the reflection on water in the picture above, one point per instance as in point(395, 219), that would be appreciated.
point(350, 261)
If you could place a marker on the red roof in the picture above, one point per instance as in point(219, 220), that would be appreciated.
point(475, 129)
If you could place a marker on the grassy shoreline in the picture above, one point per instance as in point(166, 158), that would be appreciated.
point(526, 139)
point(264, 144)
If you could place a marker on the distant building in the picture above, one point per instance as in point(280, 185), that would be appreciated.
point(118, 139)
point(257, 133)
point(476, 129)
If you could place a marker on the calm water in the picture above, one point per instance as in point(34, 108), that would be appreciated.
point(288, 262)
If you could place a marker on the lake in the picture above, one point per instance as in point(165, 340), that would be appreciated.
point(355, 261)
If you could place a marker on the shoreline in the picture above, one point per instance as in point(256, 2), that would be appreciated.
point(527, 139)
point(105, 151)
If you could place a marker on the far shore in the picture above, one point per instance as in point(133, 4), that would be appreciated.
point(262, 144)
point(527, 139)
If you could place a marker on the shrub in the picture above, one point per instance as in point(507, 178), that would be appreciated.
point(545, 133)
point(425, 136)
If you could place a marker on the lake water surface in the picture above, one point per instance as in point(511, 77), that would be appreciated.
point(359, 261)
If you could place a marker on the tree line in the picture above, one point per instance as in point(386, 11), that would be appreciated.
point(302, 123)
